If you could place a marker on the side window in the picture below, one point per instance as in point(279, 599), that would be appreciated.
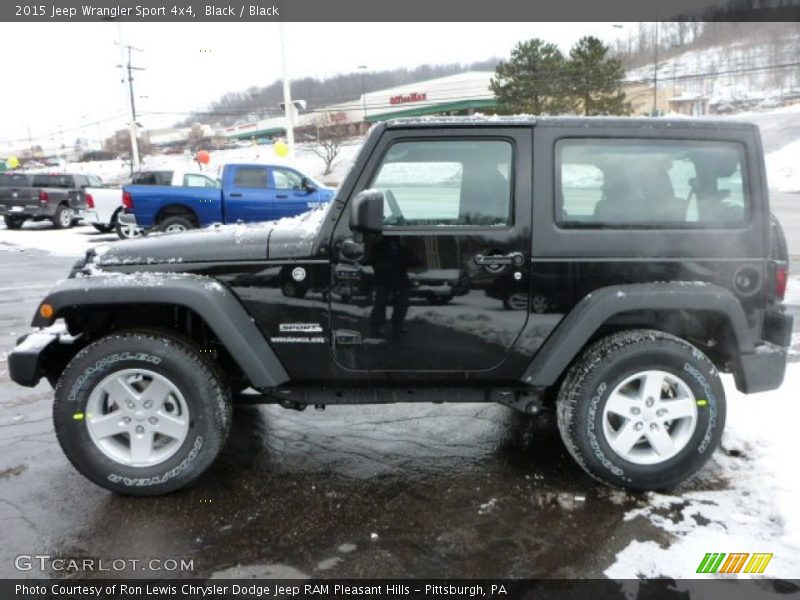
point(194, 180)
point(94, 181)
point(448, 182)
point(250, 177)
point(285, 179)
point(649, 183)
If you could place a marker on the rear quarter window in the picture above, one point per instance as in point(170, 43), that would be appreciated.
point(608, 183)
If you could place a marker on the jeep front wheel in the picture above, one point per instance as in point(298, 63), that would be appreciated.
point(641, 409)
point(141, 413)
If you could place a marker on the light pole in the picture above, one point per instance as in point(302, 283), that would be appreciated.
point(655, 75)
point(287, 94)
point(363, 69)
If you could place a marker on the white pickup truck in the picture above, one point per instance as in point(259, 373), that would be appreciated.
point(104, 204)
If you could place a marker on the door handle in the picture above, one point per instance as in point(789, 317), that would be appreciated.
point(281, 196)
point(235, 195)
point(496, 260)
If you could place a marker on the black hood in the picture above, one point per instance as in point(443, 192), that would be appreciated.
point(215, 244)
point(287, 238)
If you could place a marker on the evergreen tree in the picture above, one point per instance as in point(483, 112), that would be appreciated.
point(596, 79)
point(533, 81)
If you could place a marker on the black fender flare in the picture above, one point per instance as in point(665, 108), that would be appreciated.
point(211, 300)
point(573, 332)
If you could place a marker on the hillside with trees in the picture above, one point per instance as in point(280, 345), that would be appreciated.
point(261, 102)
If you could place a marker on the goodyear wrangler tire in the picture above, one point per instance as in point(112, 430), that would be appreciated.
point(641, 409)
point(141, 413)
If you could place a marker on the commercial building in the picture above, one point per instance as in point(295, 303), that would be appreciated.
point(460, 94)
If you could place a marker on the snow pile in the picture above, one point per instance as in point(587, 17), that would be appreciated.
point(757, 511)
point(58, 242)
point(783, 168)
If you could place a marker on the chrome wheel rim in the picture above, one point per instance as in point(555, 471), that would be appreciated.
point(650, 417)
point(137, 418)
point(130, 231)
point(175, 228)
point(65, 219)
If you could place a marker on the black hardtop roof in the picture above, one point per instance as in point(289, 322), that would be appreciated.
point(589, 122)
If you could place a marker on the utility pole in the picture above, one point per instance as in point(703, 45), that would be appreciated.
point(287, 94)
point(363, 69)
point(130, 68)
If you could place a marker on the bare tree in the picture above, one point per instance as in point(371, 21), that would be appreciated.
point(328, 142)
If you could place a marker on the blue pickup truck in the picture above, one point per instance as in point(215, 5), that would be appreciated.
point(246, 192)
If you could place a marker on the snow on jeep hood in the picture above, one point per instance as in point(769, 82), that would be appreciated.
point(287, 237)
point(293, 237)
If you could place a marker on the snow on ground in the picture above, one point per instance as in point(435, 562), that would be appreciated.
point(783, 168)
point(59, 242)
point(757, 508)
point(747, 498)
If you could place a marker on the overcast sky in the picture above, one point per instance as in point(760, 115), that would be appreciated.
point(63, 76)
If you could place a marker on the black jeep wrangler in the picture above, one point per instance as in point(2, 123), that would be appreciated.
point(647, 245)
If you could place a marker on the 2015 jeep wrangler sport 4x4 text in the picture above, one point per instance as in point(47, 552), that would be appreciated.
point(607, 268)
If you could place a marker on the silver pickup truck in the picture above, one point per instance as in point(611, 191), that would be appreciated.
point(58, 197)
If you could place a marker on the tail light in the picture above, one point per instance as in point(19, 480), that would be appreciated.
point(127, 200)
point(43, 197)
point(89, 201)
point(781, 280)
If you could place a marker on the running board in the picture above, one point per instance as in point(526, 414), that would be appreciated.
point(527, 400)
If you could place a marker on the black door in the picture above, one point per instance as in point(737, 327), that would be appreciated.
point(432, 293)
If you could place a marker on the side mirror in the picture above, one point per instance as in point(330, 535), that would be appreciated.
point(366, 212)
point(306, 184)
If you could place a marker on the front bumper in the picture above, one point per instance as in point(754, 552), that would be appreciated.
point(25, 362)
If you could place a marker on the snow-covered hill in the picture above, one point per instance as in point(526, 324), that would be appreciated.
point(734, 77)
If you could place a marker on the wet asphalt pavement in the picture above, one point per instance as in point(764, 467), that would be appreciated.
point(400, 490)
point(381, 491)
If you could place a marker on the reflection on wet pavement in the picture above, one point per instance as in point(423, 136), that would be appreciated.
point(396, 490)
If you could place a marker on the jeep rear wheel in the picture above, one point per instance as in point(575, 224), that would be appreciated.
point(641, 409)
point(141, 413)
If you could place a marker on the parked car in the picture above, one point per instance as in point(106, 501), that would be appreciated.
point(58, 197)
point(104, 205)
point(659, 232)
point(247, 193)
